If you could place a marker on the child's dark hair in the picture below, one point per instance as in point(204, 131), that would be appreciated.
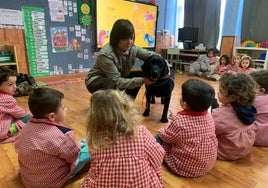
point(261, 78)
point(213, 50)
point(198, 94)
point(227, 59)
point(240, 85)
point(43, 101)
point(122, 29)
point(5, 72)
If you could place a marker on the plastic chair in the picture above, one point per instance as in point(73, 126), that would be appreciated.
point(173, 58)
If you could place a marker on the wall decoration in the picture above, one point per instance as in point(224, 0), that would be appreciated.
point(59, 37)
point(75, 44)
point(143, 17)
point(84, 12)
point(56, 10)
point(248, 43)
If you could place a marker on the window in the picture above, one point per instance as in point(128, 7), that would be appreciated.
point(180, 21)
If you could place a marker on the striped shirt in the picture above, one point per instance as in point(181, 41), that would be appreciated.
point(10, 112)
point(190, 143)
point(46, 152)
point(130, 163)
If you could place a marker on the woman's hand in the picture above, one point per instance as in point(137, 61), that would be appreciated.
point(147, 81)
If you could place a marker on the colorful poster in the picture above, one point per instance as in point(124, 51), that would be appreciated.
point(59, 37)
point(36, 41)
point(142, 16)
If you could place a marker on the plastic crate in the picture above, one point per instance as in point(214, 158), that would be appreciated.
point(4, 58)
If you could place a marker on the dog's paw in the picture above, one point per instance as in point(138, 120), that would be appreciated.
point(152, 100)
point(146, 113)
point(164, 120)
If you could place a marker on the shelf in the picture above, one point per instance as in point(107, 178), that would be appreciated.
point(10, 63)
point(251, 48)
point(12, 50)
point(259, 55)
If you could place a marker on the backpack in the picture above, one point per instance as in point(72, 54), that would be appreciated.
point(25, 84)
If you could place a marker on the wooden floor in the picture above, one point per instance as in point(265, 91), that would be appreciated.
point(251, 171)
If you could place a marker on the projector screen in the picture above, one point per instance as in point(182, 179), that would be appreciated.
point(143, 17)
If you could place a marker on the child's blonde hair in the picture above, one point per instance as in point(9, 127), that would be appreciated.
point(246, 57)
point(111, 112)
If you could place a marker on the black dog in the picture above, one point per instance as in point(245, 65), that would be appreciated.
point(156, 68)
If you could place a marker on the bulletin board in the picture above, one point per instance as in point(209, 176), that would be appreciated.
point(56, 41)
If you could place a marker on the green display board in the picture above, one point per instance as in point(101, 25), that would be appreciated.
point(36, 40)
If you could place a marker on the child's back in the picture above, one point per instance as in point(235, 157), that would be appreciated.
point(235, 139)
point(130, 163)
point(46, 152)
point(189, 140)
point(234, 120)
point(261, 104)
point(190, 144)
point(261, 122)
point(123, 154)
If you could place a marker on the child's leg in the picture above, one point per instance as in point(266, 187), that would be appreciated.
point(84, 158)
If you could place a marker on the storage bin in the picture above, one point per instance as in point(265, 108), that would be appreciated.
point(4, 58)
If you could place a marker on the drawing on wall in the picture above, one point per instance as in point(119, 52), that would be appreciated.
point(59, 37)
point(75, 44)
point(56, 10)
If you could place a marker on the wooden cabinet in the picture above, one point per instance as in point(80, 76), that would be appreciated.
point(163, 42)
point(8, 56)
point(15, 37)
point(228, 44)
point(258, 55)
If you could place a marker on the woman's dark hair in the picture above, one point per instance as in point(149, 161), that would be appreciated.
point(122, 29)
point(198, 94)
point(43, 101)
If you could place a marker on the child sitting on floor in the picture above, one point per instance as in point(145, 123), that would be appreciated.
point(261, 104)
point(234, 120)
point(233, 66)
point(12, 117)
point(222, 67)
point(246, 64)
point(124, 154)
point(189, 140)
point(202, 66)
point(48, 154)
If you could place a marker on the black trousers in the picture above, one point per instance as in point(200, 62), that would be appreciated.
point(107, 83)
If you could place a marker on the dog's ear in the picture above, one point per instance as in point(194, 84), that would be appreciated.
point(146, 67)
point(165, 67)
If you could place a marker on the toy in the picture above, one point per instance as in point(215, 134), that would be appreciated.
point(248, 43)
point(13, 129)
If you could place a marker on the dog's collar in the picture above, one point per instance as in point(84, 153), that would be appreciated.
point(162, 82)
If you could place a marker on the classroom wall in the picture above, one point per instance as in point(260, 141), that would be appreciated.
point(66, 61)
point(70, 60)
